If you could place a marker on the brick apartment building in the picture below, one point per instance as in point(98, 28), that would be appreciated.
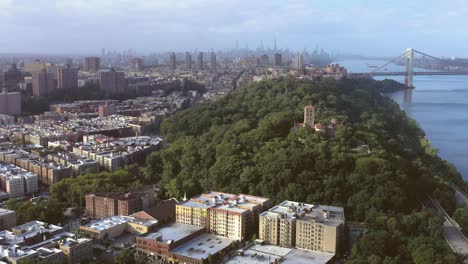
point(103, 205)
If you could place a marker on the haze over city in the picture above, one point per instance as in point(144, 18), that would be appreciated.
point(233, 132)
point(376, 28)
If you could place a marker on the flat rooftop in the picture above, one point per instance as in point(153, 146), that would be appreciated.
point(175, 232)
point(203, 246)
point(5, 211)
point(193, 204)
point(266, 254)
point(112, 221)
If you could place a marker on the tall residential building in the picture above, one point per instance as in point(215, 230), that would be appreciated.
point(42, 83)
point(264, 60)
point(112, 82)
point(103, 205)
point(92, 64)
point(67, 78)
point(7, 219)
point(222, 214)
point(305, 226)
point(200, 61)
point(309, 116)
point(278, 59)
point(213, 61)
point(188, 60)
point(2, 77)
point(172, 61)
point(298, 62)
point(10, 103)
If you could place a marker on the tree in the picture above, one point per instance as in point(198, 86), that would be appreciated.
point(461, 217)
point(125, 257)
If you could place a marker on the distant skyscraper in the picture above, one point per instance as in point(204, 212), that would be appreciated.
point(172, 61)
point(2, 77)
point(67, 78)
point(274, 45)
point(213, 61)
point(298, 62)
point(92, 64)
point(137, 64)
point(200, 61)
point(43, 83)
point(188, 60)
point(69, 61)
point(278, 59)
point(10, 103)
point(264, 60)
point(112, 82)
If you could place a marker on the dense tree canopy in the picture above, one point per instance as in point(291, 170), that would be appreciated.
point(243, 144)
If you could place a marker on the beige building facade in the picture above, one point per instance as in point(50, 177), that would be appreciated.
point(305, 226)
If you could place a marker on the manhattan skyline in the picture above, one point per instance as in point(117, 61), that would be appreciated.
point(381, 28)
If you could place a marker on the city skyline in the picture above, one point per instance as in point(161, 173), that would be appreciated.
point(384, 28)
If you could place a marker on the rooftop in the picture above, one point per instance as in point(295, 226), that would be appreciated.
point(70, 242)
point(174, 232)
point(203, 246)
point(329, 215)
point(266, 254)
point(5, 211)
point(112, 221)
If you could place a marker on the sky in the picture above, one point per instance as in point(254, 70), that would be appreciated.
point(374, 28)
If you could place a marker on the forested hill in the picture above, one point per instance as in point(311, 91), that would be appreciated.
point(243, 144)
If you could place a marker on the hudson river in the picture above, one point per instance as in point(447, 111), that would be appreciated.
point(439, 104)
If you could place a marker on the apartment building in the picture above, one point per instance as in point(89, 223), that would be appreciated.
point(16, 181)
point(47, 172)
point(78, 164)
point(116, 154)
point(223, 214)
point(305, 226)
point(102, 205)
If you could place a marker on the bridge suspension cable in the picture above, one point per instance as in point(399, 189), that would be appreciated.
point(439, 59)
point(390, 62)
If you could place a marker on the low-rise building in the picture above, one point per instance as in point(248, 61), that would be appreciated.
point(115, 226)
point(76, 251)
point(263, 254)
point(167, 238)
point(163, 212)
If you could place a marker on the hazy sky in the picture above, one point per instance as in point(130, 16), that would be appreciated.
point(374, 27)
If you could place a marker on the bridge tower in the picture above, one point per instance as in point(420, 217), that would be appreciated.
point(409, 67)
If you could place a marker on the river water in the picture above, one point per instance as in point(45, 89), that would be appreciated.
point(439, 104)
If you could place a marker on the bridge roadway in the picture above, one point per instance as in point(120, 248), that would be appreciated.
point(451, 232)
